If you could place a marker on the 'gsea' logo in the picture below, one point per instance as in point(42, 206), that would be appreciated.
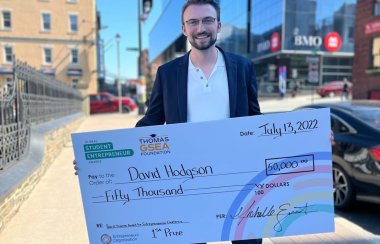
point(154, 145)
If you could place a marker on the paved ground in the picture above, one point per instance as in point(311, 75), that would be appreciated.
point(53, 214)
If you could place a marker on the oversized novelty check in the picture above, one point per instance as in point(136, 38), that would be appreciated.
point(233, 179)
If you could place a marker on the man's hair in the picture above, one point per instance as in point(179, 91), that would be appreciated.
point(201, 2)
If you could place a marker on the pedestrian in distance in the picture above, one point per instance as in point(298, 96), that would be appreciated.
point(295, 89)
point(206, 83)
point(344, 93)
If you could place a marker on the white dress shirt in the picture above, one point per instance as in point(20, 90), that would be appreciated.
point(208, 99)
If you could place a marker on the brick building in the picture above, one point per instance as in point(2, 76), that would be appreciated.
point(149, 70)
point(366, 66)
point(56, 37)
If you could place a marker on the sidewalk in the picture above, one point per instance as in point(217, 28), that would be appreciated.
point(53, 214)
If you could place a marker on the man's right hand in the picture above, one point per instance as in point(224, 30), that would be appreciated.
point(75, 167)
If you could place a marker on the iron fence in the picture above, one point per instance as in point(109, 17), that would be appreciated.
point(31, 98)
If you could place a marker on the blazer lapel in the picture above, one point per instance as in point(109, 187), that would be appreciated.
point(231, 69)
point(182, 72)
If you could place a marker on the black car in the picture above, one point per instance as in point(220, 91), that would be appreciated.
point(356, 154)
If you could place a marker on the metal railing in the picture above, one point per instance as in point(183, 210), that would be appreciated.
point(31, 98)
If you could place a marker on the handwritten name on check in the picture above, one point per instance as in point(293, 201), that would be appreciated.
point(234, 179)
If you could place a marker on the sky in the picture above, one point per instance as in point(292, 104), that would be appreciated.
point(120, 17)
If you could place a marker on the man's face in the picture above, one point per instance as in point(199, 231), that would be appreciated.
point(202, 35)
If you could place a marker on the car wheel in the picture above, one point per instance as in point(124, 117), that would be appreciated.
point(343, 188)
point(331, 94)
point(126, 109)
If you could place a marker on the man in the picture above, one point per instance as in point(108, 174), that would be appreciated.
point(205, 84)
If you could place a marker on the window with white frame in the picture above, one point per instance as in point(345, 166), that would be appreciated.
point(46, 22)
point(74, 56)
point(74, 82)
point(48, 59)
point(8, 54)
point(7, 20)
point(73, 23)
point(376, 7)
point(9, 81)
point(376, 52)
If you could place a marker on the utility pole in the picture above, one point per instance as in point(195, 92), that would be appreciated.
point(141, 80)
point(118, 73)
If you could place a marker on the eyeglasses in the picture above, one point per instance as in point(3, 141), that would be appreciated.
point(205, 21)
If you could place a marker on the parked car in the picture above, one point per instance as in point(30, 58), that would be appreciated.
point(356, 154)
point(333, 88)
point(105, 102)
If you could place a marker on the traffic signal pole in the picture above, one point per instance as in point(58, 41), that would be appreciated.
point(141, 80)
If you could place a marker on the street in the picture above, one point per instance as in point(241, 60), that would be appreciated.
point(365, 215)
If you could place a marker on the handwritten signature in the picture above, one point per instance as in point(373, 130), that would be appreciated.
point(281, 214)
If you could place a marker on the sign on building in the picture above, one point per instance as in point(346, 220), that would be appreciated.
point(313, 68)
point(101, 67)
point(282, 80)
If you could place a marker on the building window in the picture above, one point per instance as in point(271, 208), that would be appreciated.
point(72, 1)
point(8, 54)
point(73, 23)
point(74, 56)
point(48, 56)
point(74, 82)
point(376, 52)
point(7, 23)
point(376, 9)
point(46, 25)
point(9, 81)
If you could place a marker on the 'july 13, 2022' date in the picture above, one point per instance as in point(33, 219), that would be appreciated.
point(288, 128)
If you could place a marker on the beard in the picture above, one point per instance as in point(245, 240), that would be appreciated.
point(205, 45)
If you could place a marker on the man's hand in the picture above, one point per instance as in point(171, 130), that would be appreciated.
point(75, 167)
point(332, 139)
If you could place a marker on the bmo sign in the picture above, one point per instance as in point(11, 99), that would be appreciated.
point(332, 41)
point(273, 44)
point(311, 41)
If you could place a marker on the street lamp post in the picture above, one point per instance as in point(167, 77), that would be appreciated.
point(118, 73)
point(141, 105)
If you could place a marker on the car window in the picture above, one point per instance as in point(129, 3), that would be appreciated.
point(370, 116)
point(94, 98)
point(338, 127)
point(104, 97)
point(338, 85)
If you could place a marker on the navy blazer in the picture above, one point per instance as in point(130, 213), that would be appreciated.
point(168, 102)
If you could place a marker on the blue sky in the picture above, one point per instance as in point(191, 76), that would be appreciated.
point(121, 18)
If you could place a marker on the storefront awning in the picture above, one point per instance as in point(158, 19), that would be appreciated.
point(6, 70)
point(48, 71)
point(74, 72)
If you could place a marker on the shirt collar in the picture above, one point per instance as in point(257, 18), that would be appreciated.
point(219, 62)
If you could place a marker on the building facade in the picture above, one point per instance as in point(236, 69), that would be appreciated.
point(56, 37)
point(312, 39)
point(366, 74)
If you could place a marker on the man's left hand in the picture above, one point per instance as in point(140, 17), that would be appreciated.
point(332, 139)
